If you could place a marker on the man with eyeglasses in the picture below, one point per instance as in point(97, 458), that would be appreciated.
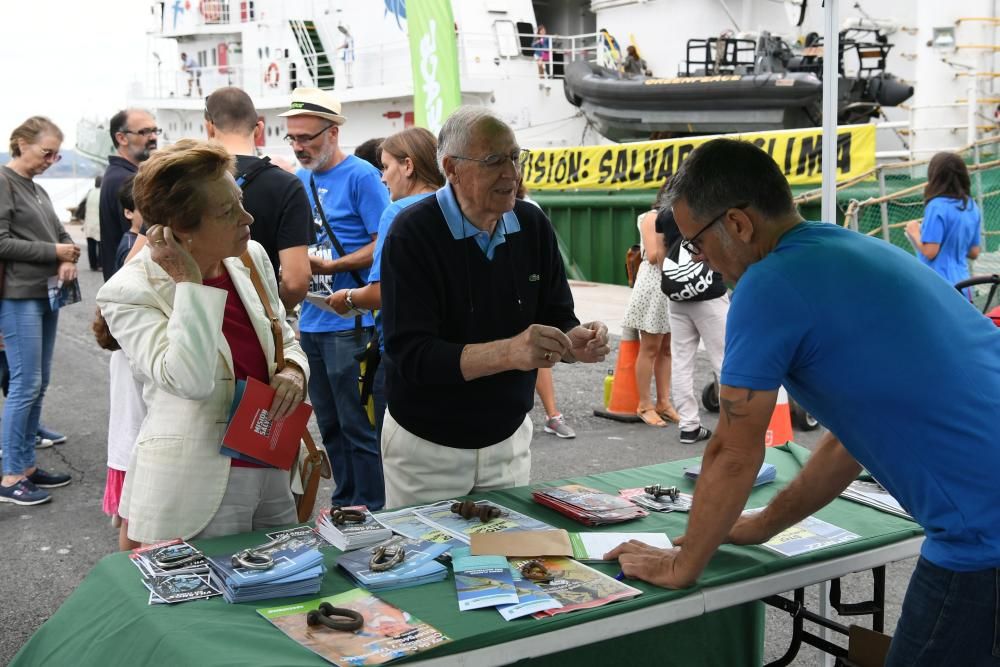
point(895, 362)
point(134, 135)
point(348, 198)
point(474, 300)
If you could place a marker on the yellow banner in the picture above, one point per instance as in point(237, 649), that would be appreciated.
point(646, 164)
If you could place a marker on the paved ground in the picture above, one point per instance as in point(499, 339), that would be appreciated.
point(47, 550)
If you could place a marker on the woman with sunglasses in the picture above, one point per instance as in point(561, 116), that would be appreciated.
point(34, 247)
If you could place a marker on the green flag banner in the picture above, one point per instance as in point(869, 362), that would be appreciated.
point(435, 61)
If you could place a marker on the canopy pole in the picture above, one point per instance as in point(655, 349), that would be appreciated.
point(831, 58)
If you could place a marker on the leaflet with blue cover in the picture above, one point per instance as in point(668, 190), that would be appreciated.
point(287, 562)
point(531, 599)
point(418, 567)
point(482, 581)
point(765, 475)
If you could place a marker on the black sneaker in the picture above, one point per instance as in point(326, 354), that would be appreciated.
point(698, 434)
point(48, 480)
point(23, 493)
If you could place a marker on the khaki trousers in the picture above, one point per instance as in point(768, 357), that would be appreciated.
point(418, 471)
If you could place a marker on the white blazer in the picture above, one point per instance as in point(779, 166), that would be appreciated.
point(172, 334)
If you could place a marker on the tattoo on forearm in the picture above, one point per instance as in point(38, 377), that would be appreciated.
point(737, 408)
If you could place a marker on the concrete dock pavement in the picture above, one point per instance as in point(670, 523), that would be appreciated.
point(601, 302)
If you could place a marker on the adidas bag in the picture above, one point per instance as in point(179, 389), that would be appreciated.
point(685, 280)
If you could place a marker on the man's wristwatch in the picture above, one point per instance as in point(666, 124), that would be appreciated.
point(349, 300)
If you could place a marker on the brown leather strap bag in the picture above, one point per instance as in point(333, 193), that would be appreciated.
point(315, 463)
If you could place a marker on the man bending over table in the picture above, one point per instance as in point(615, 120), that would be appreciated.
point(896, 363)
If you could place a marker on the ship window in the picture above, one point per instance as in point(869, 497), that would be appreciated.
point(507, 41)
point(525, 32)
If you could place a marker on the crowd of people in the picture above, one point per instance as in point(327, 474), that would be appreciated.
point(435, 268)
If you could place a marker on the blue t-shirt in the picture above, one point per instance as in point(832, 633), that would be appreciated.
point(353, 199)
point(384, 223)
point(956, 230)
point(894, 362)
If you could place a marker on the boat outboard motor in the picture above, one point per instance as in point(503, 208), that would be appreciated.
point(888, 91)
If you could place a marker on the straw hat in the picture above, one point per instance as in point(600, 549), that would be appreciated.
point(315, 102)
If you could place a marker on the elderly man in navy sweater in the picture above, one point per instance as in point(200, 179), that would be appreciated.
point(475, 299)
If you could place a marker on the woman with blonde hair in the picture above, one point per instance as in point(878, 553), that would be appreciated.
point(34, 248)
point(410, 171)
point(190, 320)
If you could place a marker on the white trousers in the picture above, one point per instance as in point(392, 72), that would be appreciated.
point(419, 471)
point(691, 322)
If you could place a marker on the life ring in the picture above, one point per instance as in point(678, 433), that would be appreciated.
point(272, 75)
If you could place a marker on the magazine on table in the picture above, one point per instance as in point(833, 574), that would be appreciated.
point(173, 588)
point(388, 634)
point(350, 535)
point(290, 559)
point(185, 558)
point(405, 522)
point(300, 536)
point(442, 518)
point(874, 495)
point(765, 475)
point(807, 535)
point(482, 581)
point(577, 586)
point(587, 505)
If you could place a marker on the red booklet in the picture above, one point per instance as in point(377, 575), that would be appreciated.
point(252, 431)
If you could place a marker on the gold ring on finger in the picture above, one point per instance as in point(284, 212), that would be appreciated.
point(548, 356)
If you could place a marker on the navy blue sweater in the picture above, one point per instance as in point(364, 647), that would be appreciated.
point(438, 295)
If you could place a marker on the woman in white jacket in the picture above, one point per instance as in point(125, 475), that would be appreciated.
point(187, 315)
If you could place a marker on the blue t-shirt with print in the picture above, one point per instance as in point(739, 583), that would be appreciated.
point(954, 224)
point(353, 198)
point(894, 362)
point(375, 274)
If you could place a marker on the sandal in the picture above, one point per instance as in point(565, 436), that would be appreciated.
point(650, 416)
point(669, 414)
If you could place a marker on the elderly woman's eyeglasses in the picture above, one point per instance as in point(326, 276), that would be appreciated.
point(50, 155)
point(692, 245)
point(496, 160)
point(303, 139)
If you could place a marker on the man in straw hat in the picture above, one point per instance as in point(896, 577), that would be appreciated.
point(348, 198)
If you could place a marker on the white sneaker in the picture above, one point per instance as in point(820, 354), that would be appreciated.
point(42, 443)
point(557, 426)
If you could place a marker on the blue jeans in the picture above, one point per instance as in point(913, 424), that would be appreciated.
point(348, 436)
point(948, 618)
point(29, 334)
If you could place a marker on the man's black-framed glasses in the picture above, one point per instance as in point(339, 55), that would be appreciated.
point(303, 139)
point(691, 244)
point(495, 160)
point(145, 132)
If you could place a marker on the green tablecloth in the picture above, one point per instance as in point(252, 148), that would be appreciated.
point(107, 621)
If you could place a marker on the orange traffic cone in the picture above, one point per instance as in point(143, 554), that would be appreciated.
point(624, 393)
point(779, 431)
